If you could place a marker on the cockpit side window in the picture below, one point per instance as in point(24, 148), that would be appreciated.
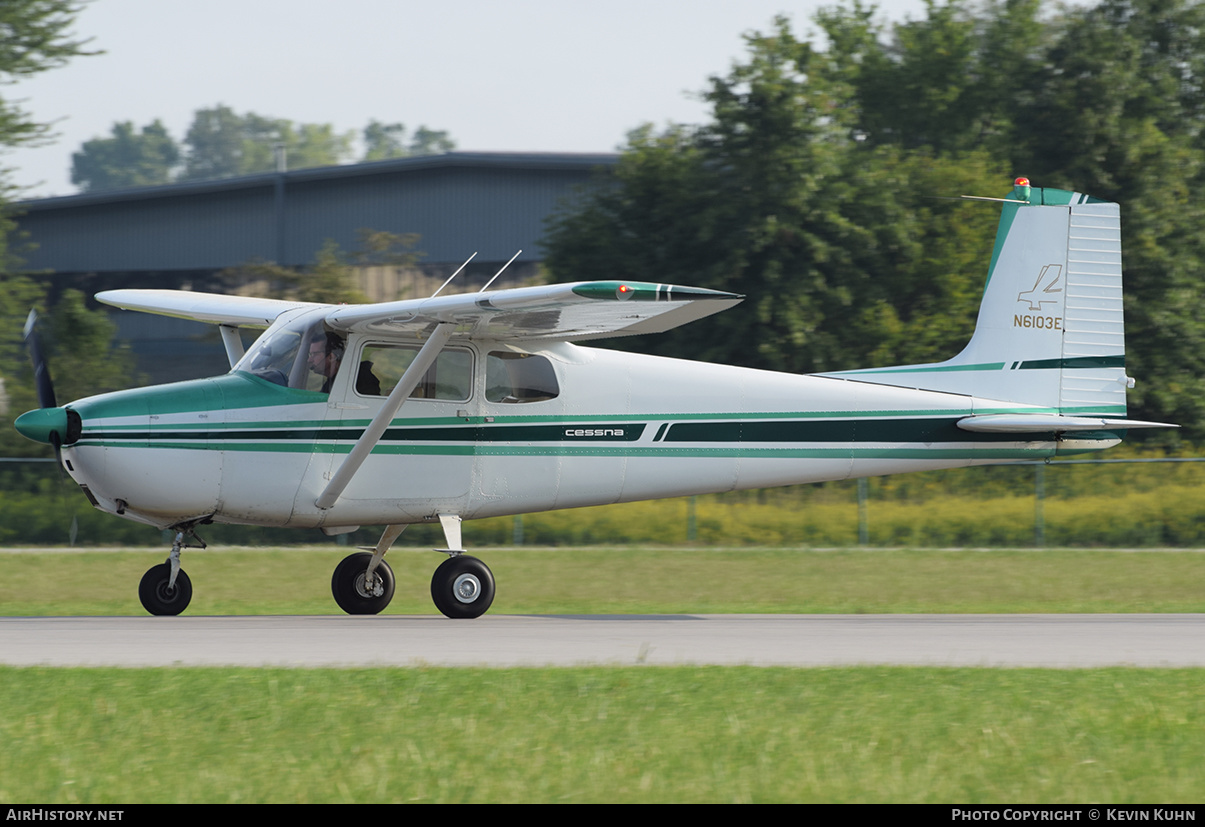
point(382, 366)
point(516, 378)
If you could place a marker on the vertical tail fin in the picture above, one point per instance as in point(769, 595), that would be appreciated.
point(1050, 332)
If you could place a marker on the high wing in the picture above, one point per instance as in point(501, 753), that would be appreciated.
point(202, 307)
point(583, 310)
point(578, 311)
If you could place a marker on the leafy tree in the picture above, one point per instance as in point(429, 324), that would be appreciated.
point(221, 143)
point(431, 142)
point(81, 345)
point(834, 242)
point(382, 141)
point(380, 248)
point(35, 37)
point(332, 276)
point(78, 344)
point(329, 279)
point(127, 159)
point(215, 145)
point(808, 187)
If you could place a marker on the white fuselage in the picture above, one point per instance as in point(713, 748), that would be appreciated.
point(622, 427)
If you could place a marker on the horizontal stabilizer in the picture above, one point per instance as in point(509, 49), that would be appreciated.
point(1045, 423)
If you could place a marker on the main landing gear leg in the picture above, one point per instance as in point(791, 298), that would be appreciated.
point(165, 589)
point(363, 583)
point(462, 586)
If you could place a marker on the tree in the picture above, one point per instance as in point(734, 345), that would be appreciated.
point(431, 142)
point(34, 37)
point(221, 143)
point(332, 276)
point(834, 241)
point(81, 345)
point(78, 344)
point(382, 141)
point(127, 159)
point(808, 187)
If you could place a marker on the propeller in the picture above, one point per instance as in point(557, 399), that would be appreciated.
point(49, 424)
point(41, 371)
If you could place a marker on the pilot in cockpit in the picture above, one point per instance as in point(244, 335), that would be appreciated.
point(325, 356)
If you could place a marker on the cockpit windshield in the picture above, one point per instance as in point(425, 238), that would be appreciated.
point(282, 354)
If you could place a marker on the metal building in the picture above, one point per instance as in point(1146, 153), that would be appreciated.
point(182, 236)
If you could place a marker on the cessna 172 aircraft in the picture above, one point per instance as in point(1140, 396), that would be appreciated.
point(478, 405)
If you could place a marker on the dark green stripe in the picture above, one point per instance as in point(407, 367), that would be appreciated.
point(1078, 362)
point(882, 430)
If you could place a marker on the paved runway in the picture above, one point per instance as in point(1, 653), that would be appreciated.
point(1165, 640)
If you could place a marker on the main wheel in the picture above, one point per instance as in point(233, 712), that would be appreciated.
point(157, 598)
point(356, 596)
point(462, 586)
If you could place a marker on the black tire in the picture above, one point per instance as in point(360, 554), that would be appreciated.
point(347, 585)
point(157, 598)
point(462, 587)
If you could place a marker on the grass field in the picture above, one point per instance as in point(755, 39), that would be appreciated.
point(643, 734)
point(637, 580)
point(601, 735)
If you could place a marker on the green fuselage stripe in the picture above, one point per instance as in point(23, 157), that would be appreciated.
point(917, 437)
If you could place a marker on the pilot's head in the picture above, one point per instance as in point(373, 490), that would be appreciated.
point(326, 352)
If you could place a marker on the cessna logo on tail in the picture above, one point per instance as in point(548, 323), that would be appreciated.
point(1044, 288)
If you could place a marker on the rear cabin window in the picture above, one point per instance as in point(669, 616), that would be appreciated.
point(450, 378)
point(515, 378)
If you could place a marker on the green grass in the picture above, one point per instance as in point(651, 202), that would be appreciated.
point(615, 735)
point(645, 734)
point(637, 580)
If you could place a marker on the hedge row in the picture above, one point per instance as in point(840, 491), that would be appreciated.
point(1170, 515)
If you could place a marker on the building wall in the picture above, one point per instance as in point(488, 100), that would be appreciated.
point(181, 236)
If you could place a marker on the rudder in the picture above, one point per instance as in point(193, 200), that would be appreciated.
point(1050, 331)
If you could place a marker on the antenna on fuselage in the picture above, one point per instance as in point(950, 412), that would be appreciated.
point(504, 266)
point(454, 275)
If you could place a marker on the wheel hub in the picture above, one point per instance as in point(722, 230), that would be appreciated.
point(376, 589)
point(466, 588)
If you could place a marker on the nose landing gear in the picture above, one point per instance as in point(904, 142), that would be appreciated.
point(165, 589)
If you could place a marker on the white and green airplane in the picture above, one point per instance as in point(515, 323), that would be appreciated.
point(483, 404)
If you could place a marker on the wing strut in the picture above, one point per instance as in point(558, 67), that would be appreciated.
point(372, 434)
point(232, 342)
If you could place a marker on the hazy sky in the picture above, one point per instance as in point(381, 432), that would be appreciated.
point(546, 75)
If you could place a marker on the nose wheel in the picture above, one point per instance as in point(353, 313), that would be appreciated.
point(165, 589)
point(159, 595)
